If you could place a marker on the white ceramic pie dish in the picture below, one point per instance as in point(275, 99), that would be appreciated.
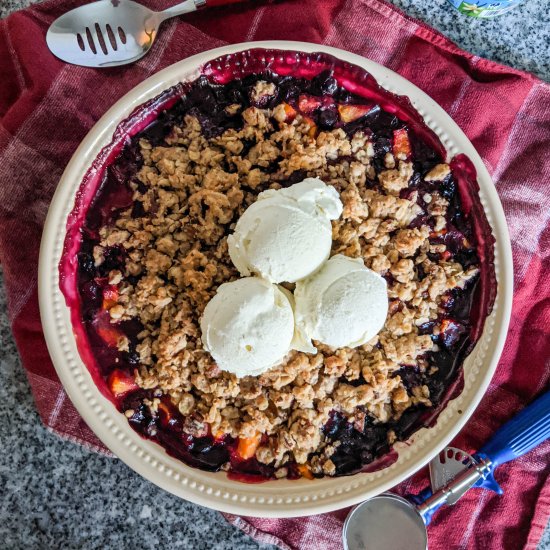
point(280, 498)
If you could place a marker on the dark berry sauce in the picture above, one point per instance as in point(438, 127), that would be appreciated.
point(327, 91)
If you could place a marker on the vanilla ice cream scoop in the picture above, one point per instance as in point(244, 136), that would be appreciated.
point(286, 234)
point(344, 304)
point(248, 326)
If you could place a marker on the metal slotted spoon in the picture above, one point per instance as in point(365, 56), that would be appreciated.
point(112, 32)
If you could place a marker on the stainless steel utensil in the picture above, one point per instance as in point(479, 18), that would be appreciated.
point(390, 522)
point(112, 32)
point(385, 522)
point(446, 466)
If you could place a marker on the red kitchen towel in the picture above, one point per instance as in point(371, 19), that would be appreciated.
point(47, 107)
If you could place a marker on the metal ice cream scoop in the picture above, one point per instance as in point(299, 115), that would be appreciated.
point(112, 32)
point(390, 522)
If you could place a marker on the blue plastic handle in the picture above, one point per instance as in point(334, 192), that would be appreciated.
point(518, 436)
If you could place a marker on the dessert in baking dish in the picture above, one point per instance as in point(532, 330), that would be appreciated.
point(199, 233)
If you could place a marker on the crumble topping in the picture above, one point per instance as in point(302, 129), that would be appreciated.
point(189, 194)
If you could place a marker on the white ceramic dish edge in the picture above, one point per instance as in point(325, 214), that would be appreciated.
point(278, 498)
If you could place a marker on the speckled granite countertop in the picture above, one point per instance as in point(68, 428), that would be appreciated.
point(55, 494)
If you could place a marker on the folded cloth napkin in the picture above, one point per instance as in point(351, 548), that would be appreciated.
point(47, 107)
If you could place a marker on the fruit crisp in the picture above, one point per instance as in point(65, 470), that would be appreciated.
point(154, 251)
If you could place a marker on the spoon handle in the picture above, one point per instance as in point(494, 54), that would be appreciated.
point(179, 9)
point(192, 5)
point(212, 3)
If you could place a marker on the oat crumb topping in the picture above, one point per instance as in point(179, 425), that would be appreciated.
point(191, 191)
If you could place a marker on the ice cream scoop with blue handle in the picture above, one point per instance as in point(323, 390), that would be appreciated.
point(528, 429)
